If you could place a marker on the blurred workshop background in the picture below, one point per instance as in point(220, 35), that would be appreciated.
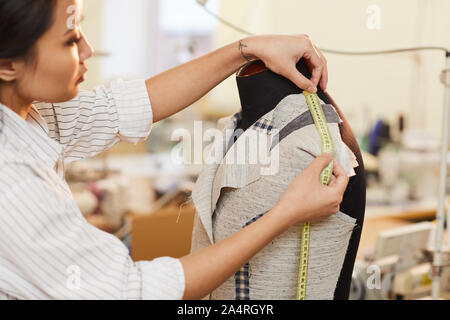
point(394, 103)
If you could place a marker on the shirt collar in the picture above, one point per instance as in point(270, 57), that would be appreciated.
point(22, 136)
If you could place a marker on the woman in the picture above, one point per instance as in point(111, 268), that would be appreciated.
point(47, 249)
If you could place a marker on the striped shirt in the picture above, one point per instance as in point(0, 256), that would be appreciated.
point(47, 249)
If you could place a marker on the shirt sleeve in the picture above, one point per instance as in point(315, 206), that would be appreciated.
point(96, 120)
point(49, 251)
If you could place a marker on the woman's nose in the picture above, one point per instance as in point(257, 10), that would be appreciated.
point(85, 49)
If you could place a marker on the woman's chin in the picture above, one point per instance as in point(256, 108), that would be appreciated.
point(72, 93)
point(76, 92)
point(67, 97)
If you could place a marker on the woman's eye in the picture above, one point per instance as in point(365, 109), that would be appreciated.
point(73, 41)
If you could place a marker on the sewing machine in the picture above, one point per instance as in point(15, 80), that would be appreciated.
point(400, 266)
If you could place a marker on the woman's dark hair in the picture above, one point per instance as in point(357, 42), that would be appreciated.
point(22, 23)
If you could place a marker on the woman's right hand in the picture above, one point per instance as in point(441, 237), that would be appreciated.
point(307, 200)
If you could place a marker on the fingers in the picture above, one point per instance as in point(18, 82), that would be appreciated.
point(341, 179)
point(324, 79)
point(324, 76)
point(301, 81)
point(316, 75)
point(315, 61)
point(333, 179)
point(317, 64)
point(284, 62)
point(338, 170)
point(320, 163)
point(320, 72)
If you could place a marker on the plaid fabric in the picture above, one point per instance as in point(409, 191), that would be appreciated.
point(263, 124)
point(242, 277)
point(260, 124)
point(236, 118)
point(243, 283)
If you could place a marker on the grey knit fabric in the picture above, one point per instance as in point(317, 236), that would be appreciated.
point(230, 195)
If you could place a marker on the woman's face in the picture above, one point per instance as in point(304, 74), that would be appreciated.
point(59, 64)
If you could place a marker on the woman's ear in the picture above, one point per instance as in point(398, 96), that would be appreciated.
point(10, 69)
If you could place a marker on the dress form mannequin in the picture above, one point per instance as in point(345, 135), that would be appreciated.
point(260, 91)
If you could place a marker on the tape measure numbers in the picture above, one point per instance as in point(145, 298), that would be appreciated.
point(325, 177)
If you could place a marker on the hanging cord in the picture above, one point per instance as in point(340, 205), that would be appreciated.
point(223, 21)
point(368, 53)
point(202, 3)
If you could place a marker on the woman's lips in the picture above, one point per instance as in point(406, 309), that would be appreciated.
point(81, 79)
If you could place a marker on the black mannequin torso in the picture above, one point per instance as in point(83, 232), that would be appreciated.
point(260, 92)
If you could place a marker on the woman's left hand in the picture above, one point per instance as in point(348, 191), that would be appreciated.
point(280, 53)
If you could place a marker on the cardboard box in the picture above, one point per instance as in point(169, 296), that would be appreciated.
point(167, 232)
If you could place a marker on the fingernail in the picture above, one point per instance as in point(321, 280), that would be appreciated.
point(312, 89)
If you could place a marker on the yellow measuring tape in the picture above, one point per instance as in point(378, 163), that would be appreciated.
point(325, 177)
